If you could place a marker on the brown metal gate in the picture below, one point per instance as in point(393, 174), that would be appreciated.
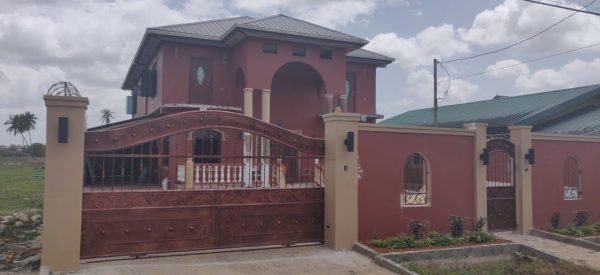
point(139, 199)
point(133, 223)
point(501, 208)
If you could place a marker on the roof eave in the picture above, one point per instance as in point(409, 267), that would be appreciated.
point(373, 61)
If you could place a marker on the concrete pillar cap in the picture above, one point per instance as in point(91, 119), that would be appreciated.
point(248, 89)
point(266, 90)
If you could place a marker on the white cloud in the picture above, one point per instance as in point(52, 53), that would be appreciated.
point(575, 73)
point(419, 83)
point(329, 13)
point(419, 50)
point(496, 70)
point(514, 20)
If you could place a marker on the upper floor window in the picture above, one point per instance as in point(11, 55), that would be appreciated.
point(572, 179)
point(268, 47)
point(417, 189)
point(325, 53)
point(298, 51)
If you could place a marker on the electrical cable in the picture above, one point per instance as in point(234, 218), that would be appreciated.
point(522, 41)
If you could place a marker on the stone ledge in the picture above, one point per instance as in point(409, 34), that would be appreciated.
point(565, 239)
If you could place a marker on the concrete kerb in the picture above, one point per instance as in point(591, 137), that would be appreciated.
point(394, 261)
point(584, 243)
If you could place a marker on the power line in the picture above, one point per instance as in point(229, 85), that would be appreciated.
point(449, 81)
point(563, 7)
point(526, 62)
point(563, 2)
point(522, 41)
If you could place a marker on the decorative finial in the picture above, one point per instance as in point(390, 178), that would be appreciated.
point(63, 88)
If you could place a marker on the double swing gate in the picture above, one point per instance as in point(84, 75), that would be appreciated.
point(199, 180)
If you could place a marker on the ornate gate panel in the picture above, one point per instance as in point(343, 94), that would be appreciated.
point(134, 223)
point(501, 207)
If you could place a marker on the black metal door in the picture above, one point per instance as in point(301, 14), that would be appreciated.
point(501, 208)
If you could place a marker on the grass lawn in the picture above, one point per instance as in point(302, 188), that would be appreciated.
point(537, 267)
point(19, 189)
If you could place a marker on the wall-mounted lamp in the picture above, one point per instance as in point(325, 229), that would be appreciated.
point(530, 156)
point(349, 142)
point(485, 156)
point(63, 130)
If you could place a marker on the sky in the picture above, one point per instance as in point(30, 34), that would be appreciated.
point(91, 44)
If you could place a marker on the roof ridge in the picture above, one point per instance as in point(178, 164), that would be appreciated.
point(197, 22)
point(304, 21)
point(511, 97)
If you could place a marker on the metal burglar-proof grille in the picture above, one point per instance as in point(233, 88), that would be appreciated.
point(572, 178)
point(415, 180)
point(500, 172)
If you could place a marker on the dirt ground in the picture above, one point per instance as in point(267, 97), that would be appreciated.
point(288, 261)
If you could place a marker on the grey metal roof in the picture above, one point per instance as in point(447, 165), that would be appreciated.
point(530, 109)
point(213, 29)
point(288, 25)
point(362, 53)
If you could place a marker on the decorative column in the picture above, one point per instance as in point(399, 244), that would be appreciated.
point(328, 103)
point(248, 104)
point(189, 173)
point(341, 181)
point(479, 142)
point(63, 186)
point(344, 103)
point(520, 136)
point(265, 144)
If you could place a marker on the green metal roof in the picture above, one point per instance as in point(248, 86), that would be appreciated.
point(583, 122)
point(529, 109)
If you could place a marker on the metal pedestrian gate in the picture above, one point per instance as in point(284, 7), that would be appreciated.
point(501, 198)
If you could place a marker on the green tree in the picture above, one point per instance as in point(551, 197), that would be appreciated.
point(29, 122)
point(16, 126)
point(37, 150)
point(106, 115)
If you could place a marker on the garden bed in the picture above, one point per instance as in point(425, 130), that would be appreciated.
point(433, 240)
point(513, 266)
point(588, 243)
point(467, 244)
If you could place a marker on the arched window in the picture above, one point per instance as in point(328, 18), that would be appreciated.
point(207, 146)
point(572, 179)
point(417, 188)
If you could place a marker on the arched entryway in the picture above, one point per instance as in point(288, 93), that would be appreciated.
point(297, 99)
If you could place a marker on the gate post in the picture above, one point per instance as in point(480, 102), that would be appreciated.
point(479, 143)
point(341, 181)
point(520, 136)
point(63, 186)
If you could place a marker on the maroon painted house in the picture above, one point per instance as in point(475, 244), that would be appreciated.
point(286, 72)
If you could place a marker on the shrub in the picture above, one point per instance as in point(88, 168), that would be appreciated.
point(418, 228)
point(480, 237)
point(480, 224)
point(597, 227)
point(581, 218)
point(587, 230)
point(570, 231)
point(37, 150)
point(443, 239)
point(457, 225)
point(555, 220)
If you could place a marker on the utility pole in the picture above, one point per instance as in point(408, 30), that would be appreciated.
point(435, 97)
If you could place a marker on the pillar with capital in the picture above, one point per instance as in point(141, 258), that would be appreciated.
point(248, 103)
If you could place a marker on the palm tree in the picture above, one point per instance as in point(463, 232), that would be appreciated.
point(106, 116)
point(17, 126)
point(29, 121)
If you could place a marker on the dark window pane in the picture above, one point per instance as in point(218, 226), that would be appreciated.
point(269, 47)
point(325, 54)
point(298, 51)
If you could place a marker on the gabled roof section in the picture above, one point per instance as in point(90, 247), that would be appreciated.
point(529, 109)
point(365, 56)
point(287, 25)
point(211, 30)
point(582, 122)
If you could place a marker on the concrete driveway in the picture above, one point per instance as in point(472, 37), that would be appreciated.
point(287, 261)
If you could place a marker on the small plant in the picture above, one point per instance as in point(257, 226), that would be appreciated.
point(418, 228)
point(480, 224)
point(457, 225)
point(480, 237)
point(581, 218)
point(555, 220)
